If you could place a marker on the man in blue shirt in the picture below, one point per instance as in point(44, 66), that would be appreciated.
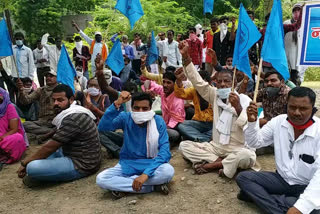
point(144, 157)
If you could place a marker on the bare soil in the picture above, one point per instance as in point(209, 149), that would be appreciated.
point(189, 193)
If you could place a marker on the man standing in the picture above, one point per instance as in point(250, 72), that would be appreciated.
point(294, 187)
point(227, 150)
point(291, 45)
point(171, 53)
point(223, 41)
point(208, 42)
point(97, 46)
point(144, 158)
point(81, 56)
point(24, 59)
point(74, 151)
point(136, 44)
point(195, 48)
point(54, 51)
point(41, 60)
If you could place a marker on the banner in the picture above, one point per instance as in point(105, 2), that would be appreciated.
point(309, 54)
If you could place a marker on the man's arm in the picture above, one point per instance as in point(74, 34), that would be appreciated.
point(205, 90)
point(82, 34)
point(31, 64)
point(254, 136)
point(293, 27)
point(178, 55)
point(309, 199)
point(113, 38)
point(25, 98)
point(185, 94)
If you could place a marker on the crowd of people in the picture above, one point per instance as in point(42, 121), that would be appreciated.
point(187, 98)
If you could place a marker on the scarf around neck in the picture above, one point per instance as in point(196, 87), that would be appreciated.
point(152, 139)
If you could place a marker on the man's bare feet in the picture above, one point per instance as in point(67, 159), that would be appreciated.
point(202, 168)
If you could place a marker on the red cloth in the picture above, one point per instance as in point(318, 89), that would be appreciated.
point(209, 45)
point(195, 51)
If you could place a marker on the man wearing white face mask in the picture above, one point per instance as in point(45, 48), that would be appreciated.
point(223, 41)
point(227, 150)
point(81, 56)
point(144, 157)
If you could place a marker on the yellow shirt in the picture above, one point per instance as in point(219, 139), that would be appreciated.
point(191, 94)
point(155, 77)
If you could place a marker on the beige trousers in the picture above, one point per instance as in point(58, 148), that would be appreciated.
point(197, 152)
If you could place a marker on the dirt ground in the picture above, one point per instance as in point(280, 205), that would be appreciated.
point(189, 193)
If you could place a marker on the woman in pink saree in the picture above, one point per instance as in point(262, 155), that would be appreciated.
point(12, 140)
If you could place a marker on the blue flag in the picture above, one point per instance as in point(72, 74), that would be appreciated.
point(5, 41)
point(247, 35)
point(208, 6)
point(152, 51)
point(115, 59)
point(132, 9)
point(66, 72)
point(273, 50)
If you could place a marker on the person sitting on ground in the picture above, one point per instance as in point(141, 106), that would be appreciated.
point(144, 158)
point(273, 96)
point(94, 100)
point(12, 136)
point(198, 129)
point(172, 107)
point(81, 82)
point(227, 150)
point(43, 125)
point(294, 187)
point(74, 151)
point(30, 111)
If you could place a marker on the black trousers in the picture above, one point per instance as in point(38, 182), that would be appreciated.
point(136, 63)
point(269, 191)
point(112, 141)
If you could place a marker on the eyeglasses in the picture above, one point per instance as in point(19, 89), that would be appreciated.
point(290, 153)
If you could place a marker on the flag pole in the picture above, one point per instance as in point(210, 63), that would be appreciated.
point(234, 78)
point(258, 81)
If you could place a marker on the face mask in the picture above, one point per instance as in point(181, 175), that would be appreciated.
point(223, 93)
point(93, 91)
point(192, 36)
point(19, 42)
point(142, 117)
point(79, 74)
point(230, 67)
point(27, 90)
point(272, 91)
point(223, 26)
point(79, 44)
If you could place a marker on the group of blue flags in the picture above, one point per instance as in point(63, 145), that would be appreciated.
point(273, 49)
point(5, 41)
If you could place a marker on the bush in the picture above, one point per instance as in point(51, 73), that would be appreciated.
point(312, 74)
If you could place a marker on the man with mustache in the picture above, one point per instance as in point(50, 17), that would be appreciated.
point(73, 152)
point(294, 187)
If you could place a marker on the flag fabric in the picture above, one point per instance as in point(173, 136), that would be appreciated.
point(208, 6)
point(66, 72)
point(5, 41)
point(153, 53)
point(247, 36)
point(132, 9)
point(273, 50)
point(115, 59)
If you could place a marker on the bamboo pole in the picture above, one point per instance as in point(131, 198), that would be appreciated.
point(234, 78)
point(258, 81)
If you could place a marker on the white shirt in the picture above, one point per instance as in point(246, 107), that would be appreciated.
point(53, 52)
point(96, 50)
point(294, 171)
point(160, 45)
point(8, 66)
point(24, 62)
point(171, 51)
point(41, 54)
point(137, 54)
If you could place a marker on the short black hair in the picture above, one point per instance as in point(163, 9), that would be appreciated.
point(250, 12)
point(26, 79)
point(223, 18)
point(63, 88)
point(171, 32)
point(170, 76)
point(127, 59)
point(137, 34)
point(229, 56)
point(139, 96)
point(57, 38)
point(130, 87)
point(205, 75)
point(267, 74)
point(266, 18)
point(214, 20)
point(303, 92)
point(192, 29)
point(226, 71)
point(77, 38)
point(170, 69)
point(38, 41)
point(18, 34)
